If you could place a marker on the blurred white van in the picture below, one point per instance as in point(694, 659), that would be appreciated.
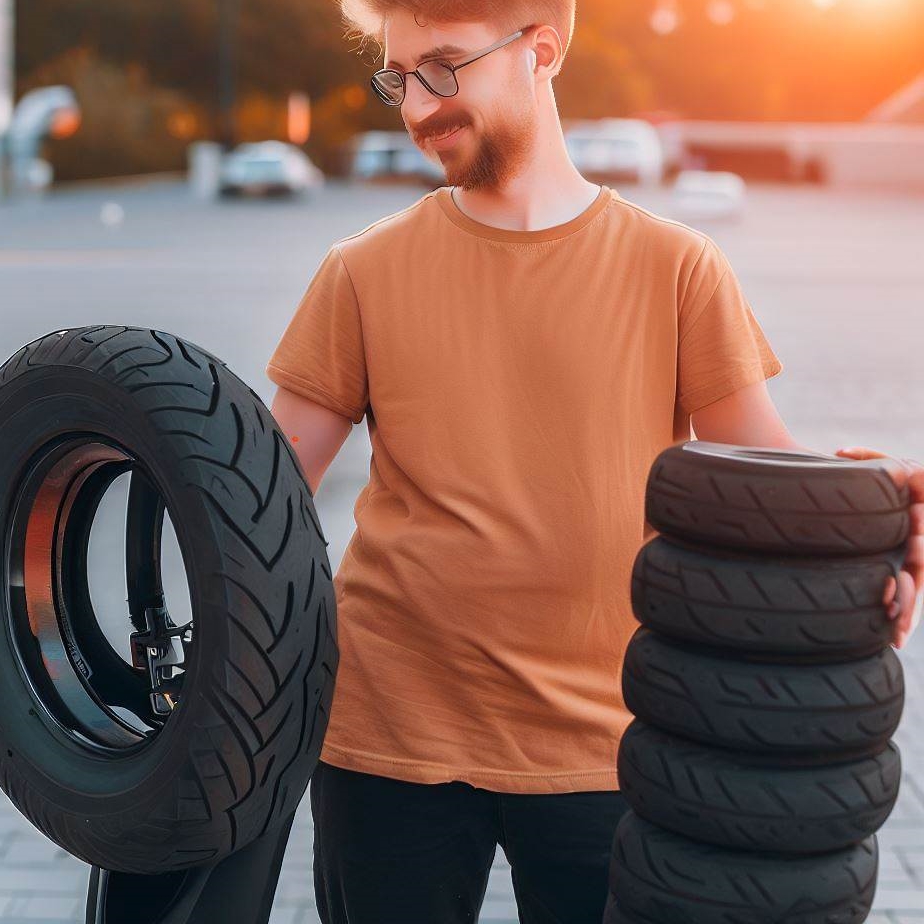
point(267, 167)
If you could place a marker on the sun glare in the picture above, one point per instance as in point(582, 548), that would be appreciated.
point(872, 4)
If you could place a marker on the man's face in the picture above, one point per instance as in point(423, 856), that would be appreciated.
point(495, 105)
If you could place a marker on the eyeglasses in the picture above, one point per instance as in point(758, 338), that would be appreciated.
point(438, 76)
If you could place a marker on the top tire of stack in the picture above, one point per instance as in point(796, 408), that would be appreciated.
point(767, 500)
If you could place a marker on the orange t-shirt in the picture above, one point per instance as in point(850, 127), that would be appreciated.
point(518, 386)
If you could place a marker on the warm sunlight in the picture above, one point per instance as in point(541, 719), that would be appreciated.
point(873, 4)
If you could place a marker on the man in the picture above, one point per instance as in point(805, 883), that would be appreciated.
point(523, 344)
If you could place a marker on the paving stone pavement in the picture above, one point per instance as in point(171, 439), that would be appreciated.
point(842, 385)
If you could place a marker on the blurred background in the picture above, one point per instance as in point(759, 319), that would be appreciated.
point(799, 90)
point(185, 166)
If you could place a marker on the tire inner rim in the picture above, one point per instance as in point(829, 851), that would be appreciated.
point(76, 675)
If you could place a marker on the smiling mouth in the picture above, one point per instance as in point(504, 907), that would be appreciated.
point(446, 134)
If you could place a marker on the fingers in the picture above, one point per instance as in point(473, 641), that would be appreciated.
point(888, 594)
point(860, 452)
point(914, 560)
point(907, 599)
point(916, 517)
point(904, 598)
point(899, 470)
point(916, 482)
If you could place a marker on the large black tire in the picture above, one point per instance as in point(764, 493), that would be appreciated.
point(234, 757)
point(803, 713)
point(711, 795)
point(659, 876)
point(770, 500)
point(764, 606)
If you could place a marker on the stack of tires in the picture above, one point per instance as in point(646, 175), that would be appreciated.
point(764, 687)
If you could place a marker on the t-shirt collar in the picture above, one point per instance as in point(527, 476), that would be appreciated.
point(444, 197)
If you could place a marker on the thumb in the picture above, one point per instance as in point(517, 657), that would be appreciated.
point(860, 452)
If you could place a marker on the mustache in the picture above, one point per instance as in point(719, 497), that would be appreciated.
point(432, 130)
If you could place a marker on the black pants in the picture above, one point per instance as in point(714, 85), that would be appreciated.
point(388, 851)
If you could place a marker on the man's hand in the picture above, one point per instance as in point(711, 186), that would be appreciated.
point(906, 610)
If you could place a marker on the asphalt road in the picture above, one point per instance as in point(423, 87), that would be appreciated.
point(835, 278)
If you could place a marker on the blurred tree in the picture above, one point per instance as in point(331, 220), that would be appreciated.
point(128, 125)
point(600, 78)
point(260, 115)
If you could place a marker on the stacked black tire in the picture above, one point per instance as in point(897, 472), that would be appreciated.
point(765, 689)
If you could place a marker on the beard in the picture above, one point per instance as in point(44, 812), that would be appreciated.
point(487, 160)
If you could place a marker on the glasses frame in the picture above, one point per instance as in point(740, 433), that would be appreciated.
point(470, 59)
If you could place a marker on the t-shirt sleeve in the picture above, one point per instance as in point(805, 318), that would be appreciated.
point(320, 354)
point(721, 346)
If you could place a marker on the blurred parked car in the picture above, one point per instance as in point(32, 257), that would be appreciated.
point(616, 149)
point(379, 155)
point(266, 167)
point(708, 194)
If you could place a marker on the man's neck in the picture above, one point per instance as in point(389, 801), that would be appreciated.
point(527, 208)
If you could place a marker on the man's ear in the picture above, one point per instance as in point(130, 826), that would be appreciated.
point(547, 49)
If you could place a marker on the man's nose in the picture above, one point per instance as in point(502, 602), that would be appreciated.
point(419, 102)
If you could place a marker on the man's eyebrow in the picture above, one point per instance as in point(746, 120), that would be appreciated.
point(439, 51)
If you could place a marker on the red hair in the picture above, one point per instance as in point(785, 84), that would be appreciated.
point(366, 18)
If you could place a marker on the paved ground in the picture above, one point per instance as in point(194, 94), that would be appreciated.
point(835, 279)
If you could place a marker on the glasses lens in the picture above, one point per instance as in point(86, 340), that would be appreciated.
point(439, 76)
point(389, 86)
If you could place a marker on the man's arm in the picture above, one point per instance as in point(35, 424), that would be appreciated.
point(315, 432)
point(746, 417)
